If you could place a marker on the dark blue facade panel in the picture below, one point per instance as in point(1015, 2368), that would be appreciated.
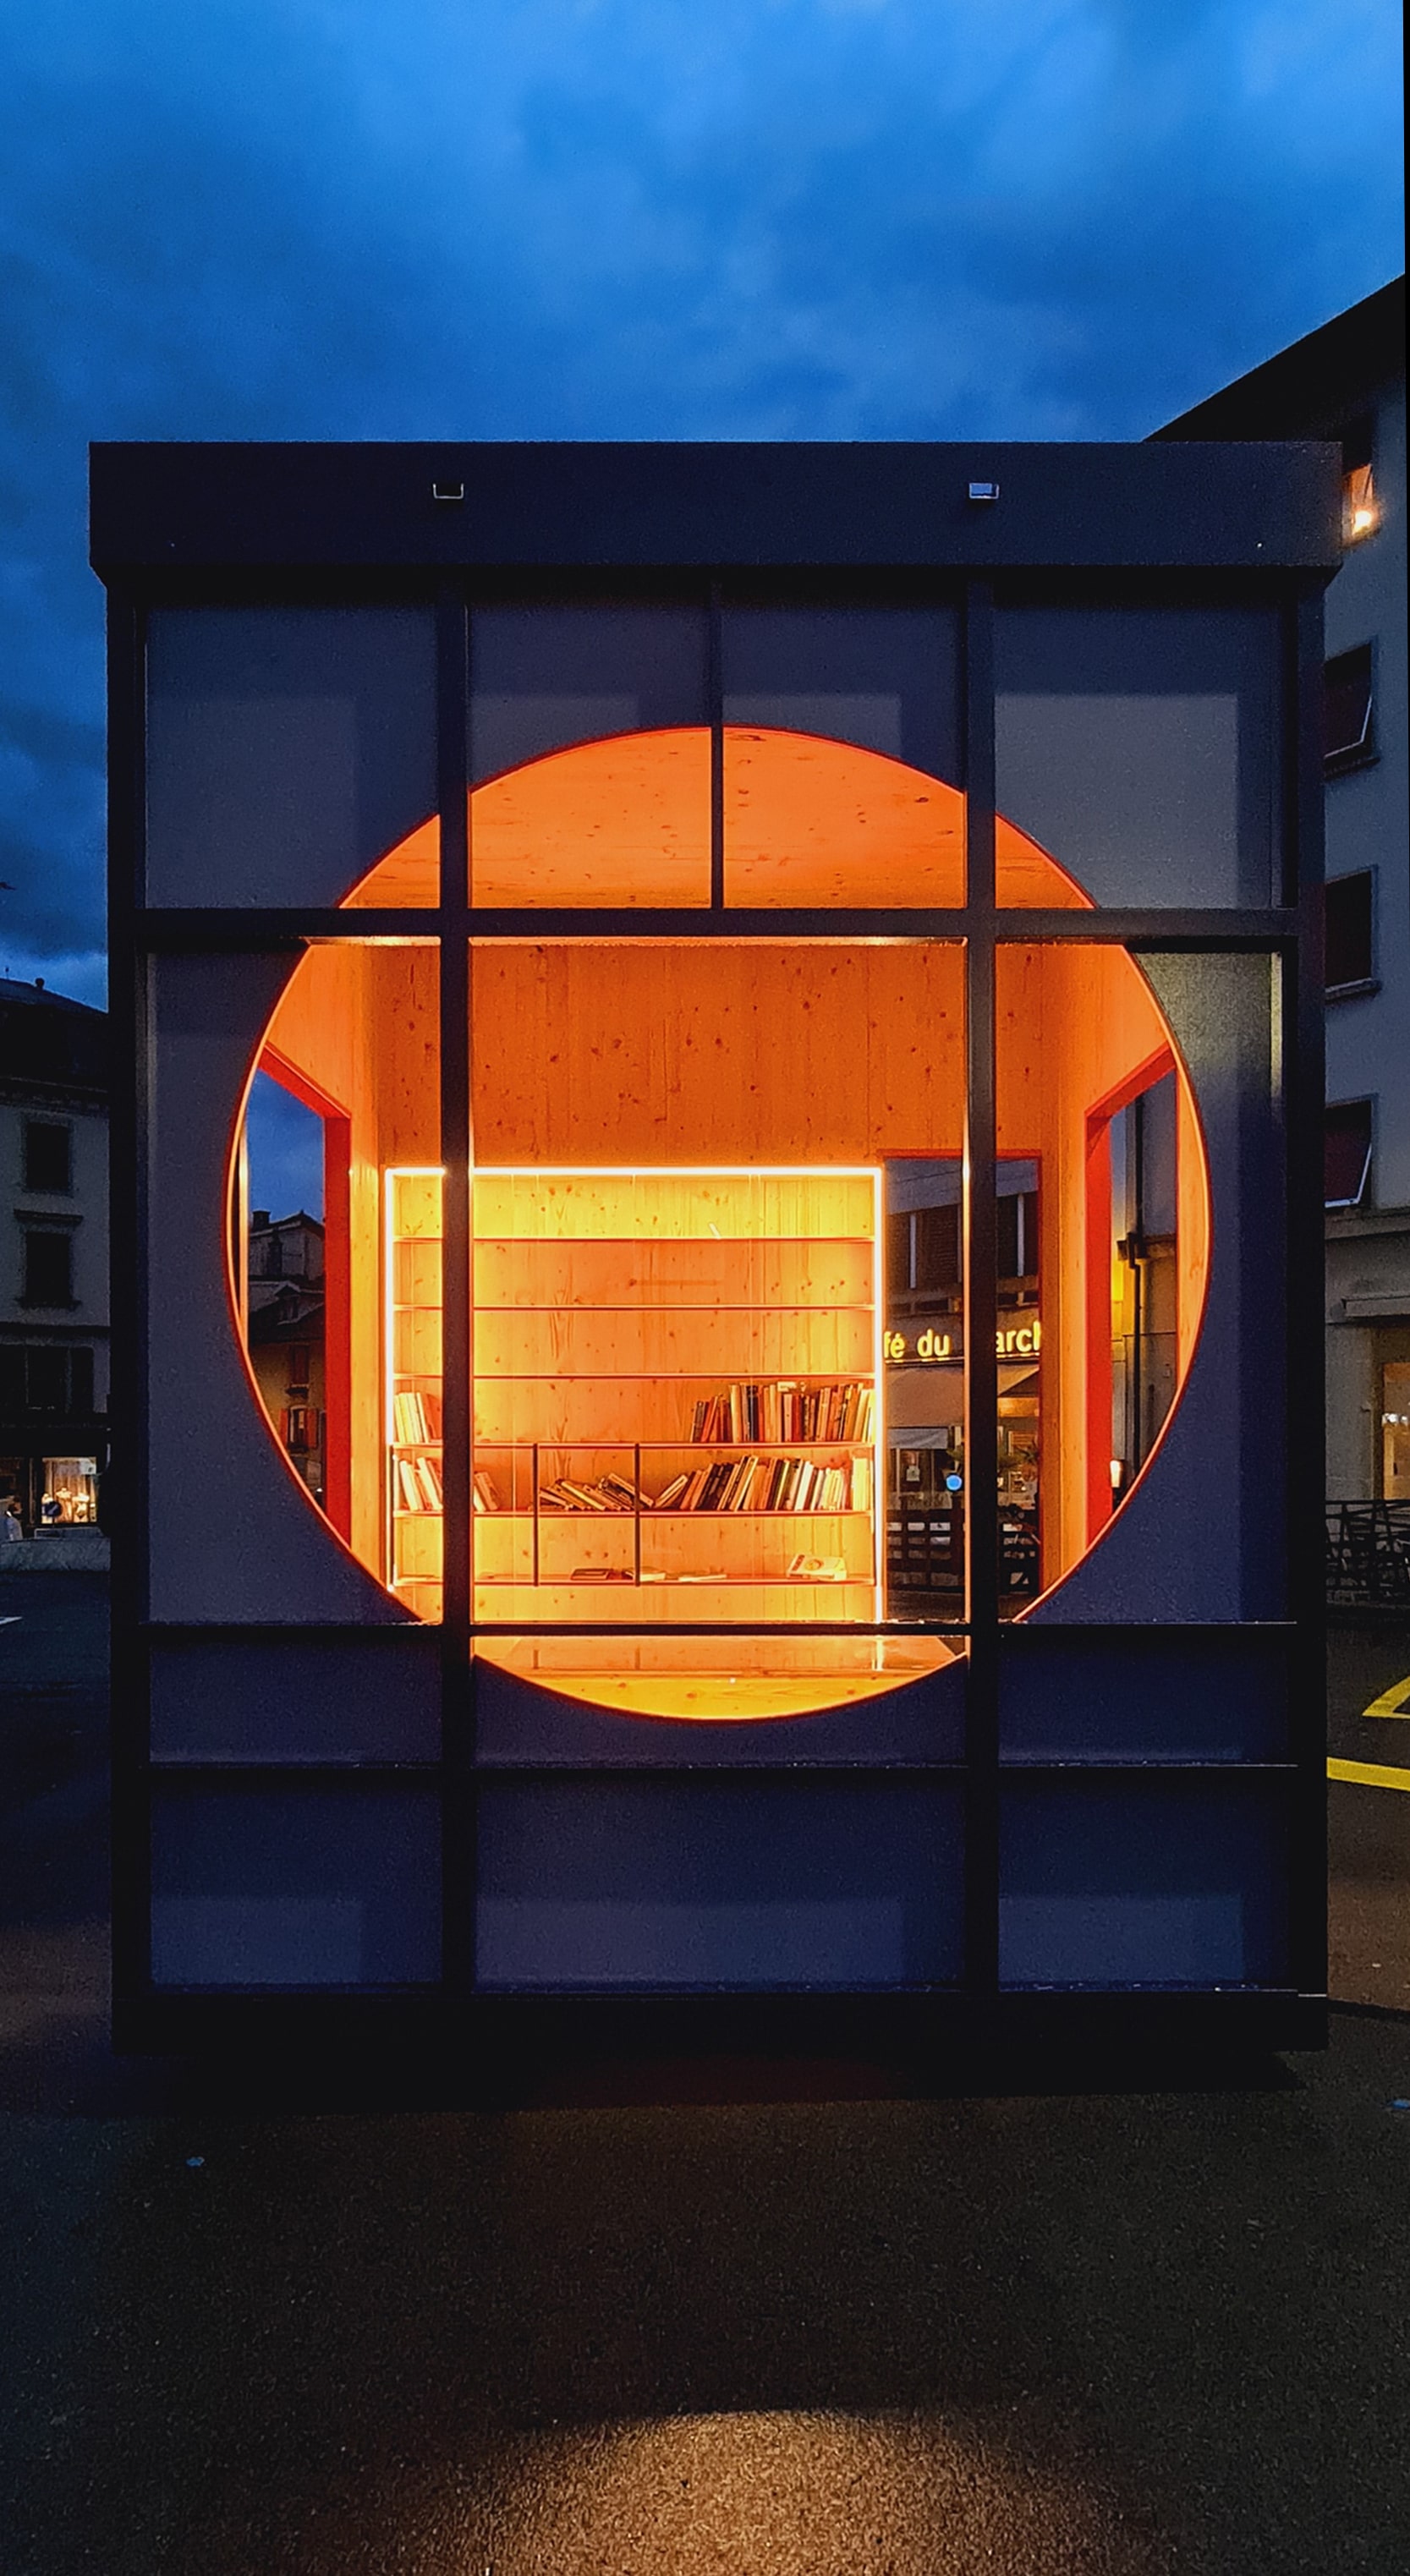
point(641, 1884)
point(1160, 1882)
point(1142, 1698)
point(296, 1698)
point(299, 1888)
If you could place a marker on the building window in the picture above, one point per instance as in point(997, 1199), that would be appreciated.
point(1360, 515)
point(48, 1155)
point(1348, 1153)
point(1348, 740)
point(48, 1269)
point(42, 1377)
point(1350, 929)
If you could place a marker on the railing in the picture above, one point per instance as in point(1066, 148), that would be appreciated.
point(1368, 1556)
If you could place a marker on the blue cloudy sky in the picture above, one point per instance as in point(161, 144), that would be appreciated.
point(625, 219)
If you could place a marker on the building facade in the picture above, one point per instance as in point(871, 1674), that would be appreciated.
point(53, 1258)
point(800, 959)
point(1346, 382)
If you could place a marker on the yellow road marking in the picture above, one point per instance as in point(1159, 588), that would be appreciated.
point(1371, 1775)
point(1392, 1703)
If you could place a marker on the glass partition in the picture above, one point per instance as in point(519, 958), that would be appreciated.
point(289, 751)
point(1141, 747)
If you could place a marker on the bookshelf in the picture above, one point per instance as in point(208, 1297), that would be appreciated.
point(412, 1425)
point(677, 1394)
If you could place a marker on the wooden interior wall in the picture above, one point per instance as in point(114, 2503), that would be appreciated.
point(717, 1054)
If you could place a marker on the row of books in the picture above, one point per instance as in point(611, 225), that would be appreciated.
point(600, 1494)
point(770, 1485)
point(778, 1409)
point(416, 1418)
point(419, 1485)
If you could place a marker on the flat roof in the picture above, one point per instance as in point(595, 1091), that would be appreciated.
point(173, 513)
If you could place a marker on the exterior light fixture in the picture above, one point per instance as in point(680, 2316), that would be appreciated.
point(984, 491)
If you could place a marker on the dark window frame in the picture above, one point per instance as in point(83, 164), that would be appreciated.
point(32, 1287)
point(31, 1129)
point(1360, 1197)
point(1345, 988)
point(1360, 750)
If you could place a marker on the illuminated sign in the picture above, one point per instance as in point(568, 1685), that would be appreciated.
point(1011, 1342)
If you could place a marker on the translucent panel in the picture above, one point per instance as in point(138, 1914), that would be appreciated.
point(886, 678)
point(738, 1884)
point(296, 1698)
point(1200, 1532)
point(799, 1699)
point(620, 823)
point(1201, 1698)
point(288, 752)
point(342, 1316)
point(1164, 1882)
point(543, 678)
point(235, 1531)
point(1098, 1138)
point(1141, 749)
point(814, 822)
point(294, 1887)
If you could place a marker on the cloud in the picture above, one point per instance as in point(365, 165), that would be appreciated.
point(628, 218)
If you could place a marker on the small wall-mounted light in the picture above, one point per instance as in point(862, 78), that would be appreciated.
point(1118, 1470)
point(1359, 512)
point(447, 491)
point(984, 491)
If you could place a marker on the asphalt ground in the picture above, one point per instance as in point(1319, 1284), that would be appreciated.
point(781, 2318)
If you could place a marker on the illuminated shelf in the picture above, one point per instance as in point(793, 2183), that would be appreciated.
point(610, 1309)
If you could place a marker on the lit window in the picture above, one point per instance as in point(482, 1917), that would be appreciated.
point(1348, 1153)
point(1358, 483)
point(1349, 704)
point(1350, 924)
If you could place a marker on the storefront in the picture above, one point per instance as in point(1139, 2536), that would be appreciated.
point(810, 1043)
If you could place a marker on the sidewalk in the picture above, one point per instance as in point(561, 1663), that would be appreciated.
point(653, 2319)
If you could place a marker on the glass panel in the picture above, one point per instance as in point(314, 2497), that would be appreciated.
point(617, 824)
point(544, 678)
point(678, 1317)
point(886, 678)
point(1196, 1529)
point(741, 1883)
point(543, 1700)
point(295, 1887)
point(1164, 1882)
point(290, 752)
point(1140, 749)
point(625, 820)
point(347, 1357)
point(296, 1698)
point(1101, 1248)
point(236, 1530)
point(1221, 1698)
point(814, 822)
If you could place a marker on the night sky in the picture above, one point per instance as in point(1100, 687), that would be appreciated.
point(808, 219)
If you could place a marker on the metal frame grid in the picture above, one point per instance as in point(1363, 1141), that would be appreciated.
point(1289, 932)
